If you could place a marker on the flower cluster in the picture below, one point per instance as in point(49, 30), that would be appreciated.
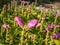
point(29, 24)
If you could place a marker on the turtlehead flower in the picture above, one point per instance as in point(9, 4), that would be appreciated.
point(56, 35)
point(5, 26)
point(32, 23)
point(58, 12)
point(55, 25)
point(49, 27)
point(19, 21)
point(43, 18)
point(24, 2)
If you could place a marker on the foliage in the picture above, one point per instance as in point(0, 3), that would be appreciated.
point(12, 32)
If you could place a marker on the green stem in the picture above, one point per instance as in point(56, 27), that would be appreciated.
point(51, 42)
point(54, 29)
point(22, 37)
point(11, 41)
point(28, 16)
point(35, 2)
point(1, 32)
point(7, 36)
point(41, 26)
point(14, 24)
point(55, 23)
point(46, 41)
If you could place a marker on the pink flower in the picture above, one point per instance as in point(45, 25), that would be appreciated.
point(24, 2)
point(55, 25)
point(32, 23)
point(39, 24)
point(56, 35)
point(49, 27)
point(19, 21)
point(58, 12)
point(5, 26)
point(43, 18)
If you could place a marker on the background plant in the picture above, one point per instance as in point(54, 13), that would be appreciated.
point(29, 24)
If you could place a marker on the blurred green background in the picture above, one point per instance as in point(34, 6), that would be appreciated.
point(2, 2)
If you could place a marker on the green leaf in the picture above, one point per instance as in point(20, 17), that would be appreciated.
point(57, 42)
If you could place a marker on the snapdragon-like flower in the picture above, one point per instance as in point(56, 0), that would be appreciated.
point(19, 21)
point(55, 25)
point(49, 27)
point(58, 12)
point(39, 24)
point(5, 26)
point(43, 18)
point(32, 23)
point(56, 35)
point(24, 2)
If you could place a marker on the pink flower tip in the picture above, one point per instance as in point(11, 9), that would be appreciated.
point(49, 27)
point(32, 23)
point(5, 26)
point(56, 35)
point(19, 21)
point(58, 12)
point(43, 18)
point(39, 24)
